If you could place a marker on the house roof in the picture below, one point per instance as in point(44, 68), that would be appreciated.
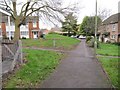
point(56, 29)
point(112, 19)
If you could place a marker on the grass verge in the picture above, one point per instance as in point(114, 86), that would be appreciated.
point(39, 65)
point(108, 49)
point(61, 42)
point(111, 66)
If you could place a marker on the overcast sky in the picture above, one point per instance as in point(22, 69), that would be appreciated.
point(88, 7)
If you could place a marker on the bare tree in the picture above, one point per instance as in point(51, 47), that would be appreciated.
point(47, 9)
point(104, 13)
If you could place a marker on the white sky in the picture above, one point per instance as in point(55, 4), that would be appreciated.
point(88, 7)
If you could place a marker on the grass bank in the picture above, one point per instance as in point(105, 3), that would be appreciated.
point(52, 41)
point(39, 65)
point(108, 49)
point(111, 66)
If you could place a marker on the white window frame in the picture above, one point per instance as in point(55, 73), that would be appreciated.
point(34, 24)
point(113, 36)
point(24, 33)
point(113, 27)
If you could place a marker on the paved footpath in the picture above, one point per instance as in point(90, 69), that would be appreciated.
point(79, 70)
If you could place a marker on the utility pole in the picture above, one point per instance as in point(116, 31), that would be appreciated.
point(95, 43)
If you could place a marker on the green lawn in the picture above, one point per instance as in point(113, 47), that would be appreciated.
point(108, 49)
point(40, 64)
point(62, 42)
point(111, 67)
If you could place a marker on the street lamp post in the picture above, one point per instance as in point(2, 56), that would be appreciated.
point(95, 43)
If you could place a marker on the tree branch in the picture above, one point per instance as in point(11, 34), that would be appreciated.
point(7, 5)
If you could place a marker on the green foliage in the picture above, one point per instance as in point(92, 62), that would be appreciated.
point(106, 34)
point(91, 43)
point(111, 66)
point(53, 33)
point(88, 38)
point(88, 25)
point(39, 65)
point(70, 24)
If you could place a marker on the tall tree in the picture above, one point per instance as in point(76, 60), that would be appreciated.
point(47, 9)
point(104, 13)
point(88, 25)
point(70, 24)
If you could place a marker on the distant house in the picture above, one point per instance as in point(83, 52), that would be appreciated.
point(56, 29)
point(44, 31)
point(110, 29)
point(7, 27)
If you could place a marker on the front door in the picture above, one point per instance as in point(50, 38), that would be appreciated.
point(35, 35)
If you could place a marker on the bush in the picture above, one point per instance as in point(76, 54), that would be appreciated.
point(88, 38)
point(23, 37)
point(92, 42)
point(108, 41)
point(117, 43)
point(53, 33)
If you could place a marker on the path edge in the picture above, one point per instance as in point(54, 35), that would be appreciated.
point(104, 71)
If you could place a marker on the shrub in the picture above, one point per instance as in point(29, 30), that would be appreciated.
point(91, 43)
point(53, 33)
point(117, 43)
point(23, 37)
point(108, 42)
point(88, 38)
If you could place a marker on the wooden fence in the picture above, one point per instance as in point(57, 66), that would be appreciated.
point(12, 51)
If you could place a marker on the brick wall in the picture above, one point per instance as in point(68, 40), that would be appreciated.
point(3, 27)
point(113, 32)
point(109, 28)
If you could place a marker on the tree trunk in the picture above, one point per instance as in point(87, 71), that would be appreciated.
point(17, 30)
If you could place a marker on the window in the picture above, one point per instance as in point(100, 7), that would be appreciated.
point(24, 33)
point(12, 33)
point(113, 36)
point(34, 24)
point(113, 27)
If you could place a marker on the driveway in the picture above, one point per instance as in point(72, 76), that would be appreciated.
point(79, 70)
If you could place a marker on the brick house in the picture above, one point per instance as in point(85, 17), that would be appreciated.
point(29, 30)
point(109, 30)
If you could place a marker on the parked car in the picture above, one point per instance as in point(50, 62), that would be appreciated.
point(74, 36)
point(82, 37)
